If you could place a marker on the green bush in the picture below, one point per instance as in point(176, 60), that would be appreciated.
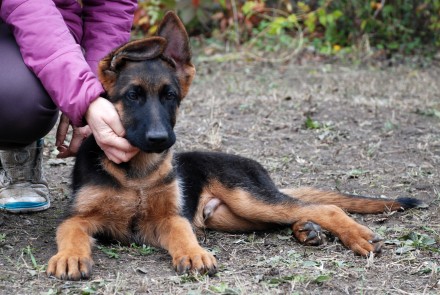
point(395, 25)
point(403, 26)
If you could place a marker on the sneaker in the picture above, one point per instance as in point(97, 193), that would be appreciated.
point(23, 187)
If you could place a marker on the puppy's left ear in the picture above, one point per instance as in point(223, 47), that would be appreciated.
point(137, 50)
point(177, 48)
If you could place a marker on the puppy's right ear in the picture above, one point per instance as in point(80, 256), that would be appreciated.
point(137, 50)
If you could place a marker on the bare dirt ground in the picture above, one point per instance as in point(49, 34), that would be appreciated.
point(371, 131)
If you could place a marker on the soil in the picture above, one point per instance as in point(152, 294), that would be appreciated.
point(362, 130)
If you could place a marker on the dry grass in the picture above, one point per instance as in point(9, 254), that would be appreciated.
point(377, 134)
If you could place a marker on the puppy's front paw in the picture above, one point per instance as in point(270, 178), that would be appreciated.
point(195, 260)
point(69, 265)
point(361, 240)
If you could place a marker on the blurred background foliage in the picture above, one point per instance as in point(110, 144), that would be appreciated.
point(327, 27)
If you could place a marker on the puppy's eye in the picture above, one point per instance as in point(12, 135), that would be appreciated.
point(132, 95)
point(170, 95)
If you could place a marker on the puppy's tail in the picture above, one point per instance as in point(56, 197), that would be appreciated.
point(353, 203)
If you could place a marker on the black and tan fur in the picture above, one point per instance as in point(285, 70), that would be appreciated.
point(158, 198)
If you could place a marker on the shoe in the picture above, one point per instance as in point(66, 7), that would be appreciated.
point(23, 187)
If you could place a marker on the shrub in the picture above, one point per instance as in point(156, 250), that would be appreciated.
point(404, 26)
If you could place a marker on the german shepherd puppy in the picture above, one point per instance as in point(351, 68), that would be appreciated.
point(158, 198)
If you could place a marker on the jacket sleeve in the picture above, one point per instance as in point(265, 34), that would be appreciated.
point(50, 51)
point(107, 25)
point(71, 12)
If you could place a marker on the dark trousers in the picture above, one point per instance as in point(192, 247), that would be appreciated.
point(27, 113)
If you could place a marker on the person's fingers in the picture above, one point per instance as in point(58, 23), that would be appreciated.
point(64, 152)
point(108, 130)
point(62, 129)
point(114, 122)
point(102, 114)
point(118, 156)
point(110, 139)
point(118, 149)
point(78, 136)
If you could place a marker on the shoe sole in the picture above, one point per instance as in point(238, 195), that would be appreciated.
point(25, 207)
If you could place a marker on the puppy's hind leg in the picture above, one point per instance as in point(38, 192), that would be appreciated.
point(276, 208)
point(218, 216)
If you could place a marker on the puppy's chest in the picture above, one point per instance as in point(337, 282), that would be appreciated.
point(139, 201)
point(131, 209)
point(143, 200)
point(149, 201)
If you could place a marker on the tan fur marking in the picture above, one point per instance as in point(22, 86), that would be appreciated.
point(163, 203)
point(199, 220)
point(186, 78)
point(102, 203)
point(74, 257)
point(106, 77)
point(142, 162)
point(223, 219)
point(119, 108)
point(329, 217)
point(352, 205)
point(177, 237)
point(163, 226)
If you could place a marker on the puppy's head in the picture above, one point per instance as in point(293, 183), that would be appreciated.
point(146, 80)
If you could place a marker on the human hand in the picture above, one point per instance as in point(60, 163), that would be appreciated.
point(107, 128)
point(78, 136)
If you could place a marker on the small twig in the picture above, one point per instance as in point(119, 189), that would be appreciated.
point(376, 13)
point(235, 13)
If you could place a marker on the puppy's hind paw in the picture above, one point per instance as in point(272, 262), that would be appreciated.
point(309, 233)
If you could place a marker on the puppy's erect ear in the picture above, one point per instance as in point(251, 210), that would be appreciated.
point(137, 50)
point(177, 48)
point(172, 29)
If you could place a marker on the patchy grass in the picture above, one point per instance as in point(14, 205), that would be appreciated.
point(372, 139)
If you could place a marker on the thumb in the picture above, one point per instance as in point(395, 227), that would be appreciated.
point(113, 120)
point(101, 111)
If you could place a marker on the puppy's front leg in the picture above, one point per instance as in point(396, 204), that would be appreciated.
point(73, 260)
point(175, 234)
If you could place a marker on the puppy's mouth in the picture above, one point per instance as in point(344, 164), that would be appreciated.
point(156, 148)
point(149, 143)
point(156, 151)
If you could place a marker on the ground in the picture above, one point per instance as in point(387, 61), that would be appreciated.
point(365, 130)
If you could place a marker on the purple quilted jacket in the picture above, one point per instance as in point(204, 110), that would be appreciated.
point(62, 43)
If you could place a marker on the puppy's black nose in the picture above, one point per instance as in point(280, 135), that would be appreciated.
point(157, 137)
